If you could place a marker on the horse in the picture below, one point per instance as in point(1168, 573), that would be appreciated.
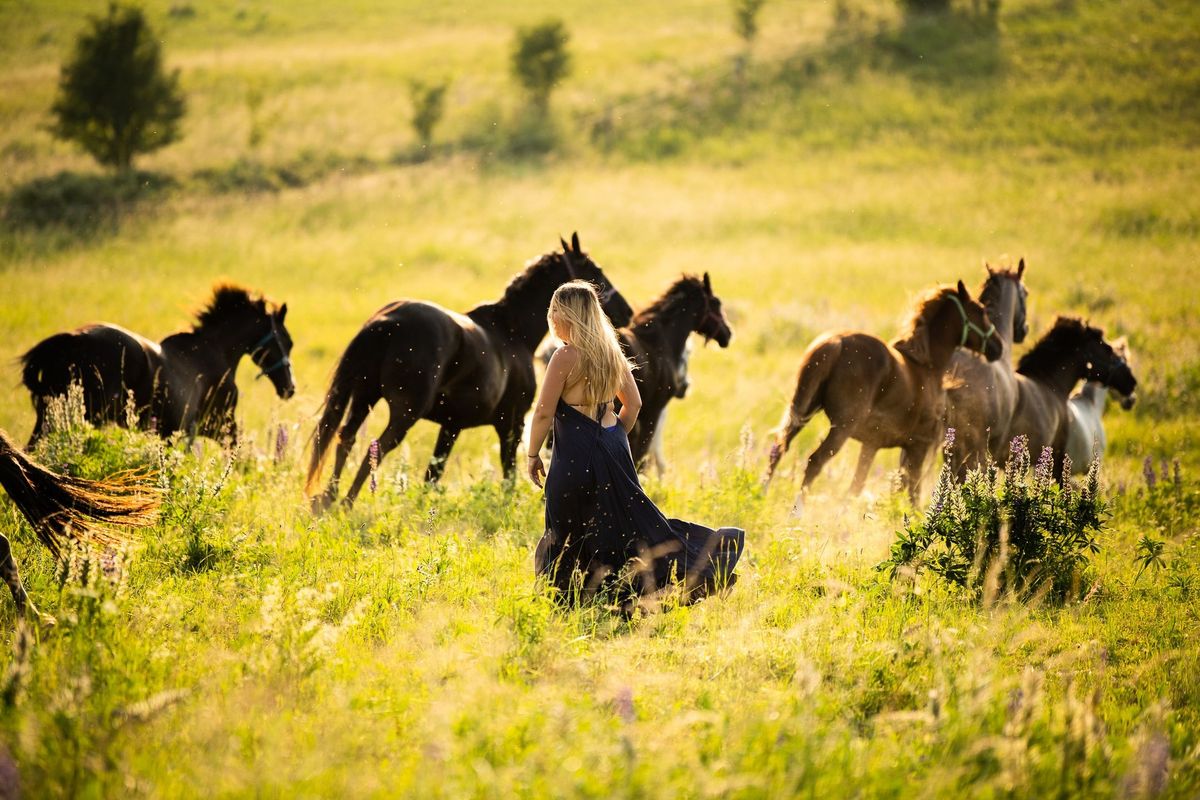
point(63, 509)
point(681, 385)
point(655, 342)
point(981, 396)
point(1085, 428)
point(185, 383)
point(885, 394)
point(1069, 352)
point(458, 370)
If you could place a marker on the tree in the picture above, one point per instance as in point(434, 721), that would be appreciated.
point(428, 101)
point(115, 99)
point(540, 60)
point(745, 19)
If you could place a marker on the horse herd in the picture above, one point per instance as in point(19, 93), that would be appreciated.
point(950, 367)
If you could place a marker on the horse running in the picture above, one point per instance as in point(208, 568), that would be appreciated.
point(885, 394)
point(458, 370)
point(185, 383)
point(656, 341)
point(981, 396)
point(63, 509)
point(1070, 351)
point(1085, 426)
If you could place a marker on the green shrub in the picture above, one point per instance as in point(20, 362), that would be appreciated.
point(1009, 529)
point(115, 99)
point(540, 60)
point(429, 102)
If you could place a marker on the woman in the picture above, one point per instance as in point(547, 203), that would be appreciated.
point(603, 534)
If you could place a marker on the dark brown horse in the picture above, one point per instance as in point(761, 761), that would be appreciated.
point(1070, 351)
point(185, 383)
point(885, 394)
point(981, 396)
point(458, 370)
point(656, 340)
point(62, 509)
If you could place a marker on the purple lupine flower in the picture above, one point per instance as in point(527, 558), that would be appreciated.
point(373, 455)
point(281, 443)
point(1066, 477)
point(1166, 471)
point(1043, 473)
point(1178, 479)
point(948, 445)
point(1148, 473)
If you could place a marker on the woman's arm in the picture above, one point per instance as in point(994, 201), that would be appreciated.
point(560, 366)
point(631, 401)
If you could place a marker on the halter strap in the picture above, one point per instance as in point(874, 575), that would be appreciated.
point(263, 342)
point(969, 326)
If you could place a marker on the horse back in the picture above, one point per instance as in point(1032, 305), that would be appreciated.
point(107, 360)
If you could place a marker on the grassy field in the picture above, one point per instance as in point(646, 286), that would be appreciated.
point(404, 648)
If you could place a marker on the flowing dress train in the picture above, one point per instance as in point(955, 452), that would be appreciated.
point(602, 531)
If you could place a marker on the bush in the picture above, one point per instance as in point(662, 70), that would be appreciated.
point(1006, 529)
point(429, 101)
point(745, 19)
point(540, 60)
point(114, 97)
point(925, 6)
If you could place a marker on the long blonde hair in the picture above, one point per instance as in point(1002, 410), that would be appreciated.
point(575, 311)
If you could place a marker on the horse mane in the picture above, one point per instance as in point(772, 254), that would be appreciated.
point(991, 283)
point(1045, 357)
point(533, 272)
point(229, 300)
point(913, 338)
point(680, 291)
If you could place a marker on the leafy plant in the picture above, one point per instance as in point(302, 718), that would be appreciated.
point(115, 99)
point(540, 60)
point(1006, 528)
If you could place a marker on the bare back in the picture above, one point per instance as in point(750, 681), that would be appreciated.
point(573, 395)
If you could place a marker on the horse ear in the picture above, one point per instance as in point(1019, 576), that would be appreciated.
point(1020, 268)
point(281, 313)
point(988, 267)
point(707, 284)
point(566, 248)
point(575, 242)
point(963, 294)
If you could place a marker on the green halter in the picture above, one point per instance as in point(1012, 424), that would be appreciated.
point(969, 326)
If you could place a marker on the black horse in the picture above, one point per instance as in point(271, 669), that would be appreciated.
point(458, 370)
point(185, 383)
point(656, 340)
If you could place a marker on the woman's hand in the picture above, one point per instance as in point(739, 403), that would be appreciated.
point(537, 470)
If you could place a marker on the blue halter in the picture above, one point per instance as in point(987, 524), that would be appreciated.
point(263, 342)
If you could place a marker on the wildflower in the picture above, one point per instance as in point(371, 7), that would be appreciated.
point(281, 443)
point(1148, 473)
point(373, 455)
point(1043, 473)
point(948, 445)
point(1178, 479)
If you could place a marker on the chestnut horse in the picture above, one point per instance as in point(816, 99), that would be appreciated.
point(981, 396)
point(62, 509)
point(885, 394)
point(458, 370)
point(185, 383)
point(656, 340)
point(1070, 351)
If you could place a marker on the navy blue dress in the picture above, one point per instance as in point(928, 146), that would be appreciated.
point(603, 534)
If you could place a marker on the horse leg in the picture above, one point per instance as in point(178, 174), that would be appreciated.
point(866, 456)
point(447, 436)
point(397, 428)
point(355, 417)
point(837, 437)
point(509, 425)
point(913, 458)
point(39, 425)
point(782, 442)
point(8, 571)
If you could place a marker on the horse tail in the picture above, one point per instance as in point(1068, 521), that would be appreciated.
point(61, 508)
point(815, 368)
point(33, 369)
point(337, 400)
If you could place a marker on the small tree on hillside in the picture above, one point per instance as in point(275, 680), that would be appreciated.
point(745, 19)
point(540, 60)
point(429, 101)
point(115, 99)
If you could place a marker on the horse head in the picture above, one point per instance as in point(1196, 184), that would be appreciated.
point(580, 266)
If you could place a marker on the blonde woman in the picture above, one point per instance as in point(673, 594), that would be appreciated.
point(602, 531)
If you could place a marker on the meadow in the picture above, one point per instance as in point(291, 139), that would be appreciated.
point(404, 648)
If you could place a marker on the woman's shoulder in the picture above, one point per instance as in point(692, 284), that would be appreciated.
point(567, 355)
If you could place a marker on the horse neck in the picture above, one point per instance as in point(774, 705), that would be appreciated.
point(672, 326)
point(945, 334)
point(228, 341)
point(1002, 311)
point(1095, 393)
point(524, 306)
